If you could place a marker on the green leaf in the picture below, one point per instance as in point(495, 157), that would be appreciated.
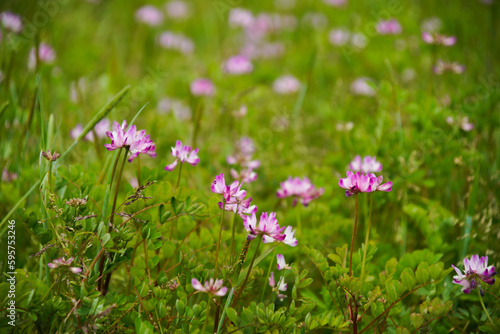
point(408, 278)
point(232, 315)
point(422, 273)
point(417, 320)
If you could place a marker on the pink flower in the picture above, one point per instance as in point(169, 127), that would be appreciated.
point(7, 176)
point(178, 42)
point(475, 270)
point(239, 17)
point(135, 141)
point(367, 165)
point(287, 84)
point(339, 37)
point(183, 154)
point(234, 197)
point(211, 287)
point(466, 125)
point(302, 190)
point(360, 86)
point(100, 129)
point(46, 55)
point(282, 286)
point(149, 15)
point(63, 263)
point(356, 183)
point(438, 39)
point(202, 87)
point(389, 27)
point(243, 152)
point(219, 184)
point(246, 175)
point(268, 227)
point(77, 130)
point(280, 259)
point(238, 65)
point(11, 21)
point(335, 3)
point(290, 239)
point(443, 67)
point(177, 9)
point(377, 184)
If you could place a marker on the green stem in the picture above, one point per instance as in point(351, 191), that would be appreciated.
point(367, 237)
point(218, 241)
point(101, 261)
point(482, 304)
point(353, 236)
point(234, 230)
point(206, 315)
point(268, 274)
point(198, 114)
point(179, 177)
point(249, 271)
point(110, 229)
point(139, 171)
point(299, 221)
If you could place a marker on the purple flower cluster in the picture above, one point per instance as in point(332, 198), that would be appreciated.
point(366, 165)
point(183, 154)
point(359, 183)
point(300, 189)
point(234, 197)
point(281, 286)
point(269, 229)
point(438, 39)
point(135, 141)
point(243, 156)
point(475, 270)
point(211, 287)
point(63, 263)
point(100, 129)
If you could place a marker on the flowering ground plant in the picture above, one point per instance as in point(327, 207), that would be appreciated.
point(249, 167)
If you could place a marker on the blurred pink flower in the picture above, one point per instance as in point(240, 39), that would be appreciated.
point(431, 25)
point(63, 263)
point(211, 287)
point(46, 55)
point(202, 87)
point(239, 17)
point(443, 67)
point(178, 42)
point(339, 36)
point(360, 86)
point(287, 84)
point(77, 130)
point(246, 175)
point(11, 21)
point(300, 189)
point(183, 154)
point(177, 9)
point(282, 286)
point(238, 65)
point(335, 3)
point(7, 176)
point(243, 154)
point(367, 165)
point(149, 15)
point(438, 39)
point(347, 126)
point(389, 27)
